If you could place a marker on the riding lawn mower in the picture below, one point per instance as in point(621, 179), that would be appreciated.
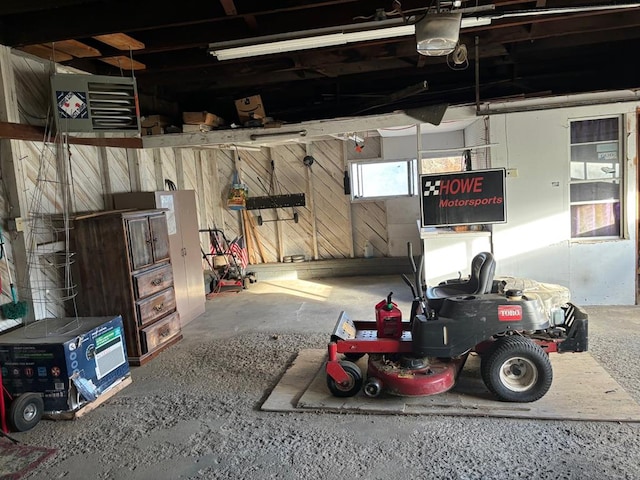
point(512, 324)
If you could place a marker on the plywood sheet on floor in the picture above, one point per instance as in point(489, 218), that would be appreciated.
point(581, 390)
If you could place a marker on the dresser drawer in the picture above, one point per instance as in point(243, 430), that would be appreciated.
point(152, 281)
point(156, 306)
point(161, 332)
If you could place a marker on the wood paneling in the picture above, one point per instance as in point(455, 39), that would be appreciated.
point(118, 169)
point(85, 177)
point(189, 169)
point(332, 205)
point(32, 89)
point(369, 223)
point(147, 170)
point(291, 178)
point(168, 159)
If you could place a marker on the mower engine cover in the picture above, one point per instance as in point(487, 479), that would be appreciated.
point(465, 321)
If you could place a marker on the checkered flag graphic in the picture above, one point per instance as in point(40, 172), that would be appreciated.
point(431, 188)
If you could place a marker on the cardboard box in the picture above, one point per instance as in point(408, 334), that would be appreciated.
point(155, 130)
point(201, 118)
point(153, 124)
point(151, 121)
point(68, 369)
point(250, 108)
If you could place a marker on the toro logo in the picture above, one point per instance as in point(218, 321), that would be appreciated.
point(509, 313)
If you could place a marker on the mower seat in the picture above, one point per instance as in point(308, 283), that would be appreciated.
point(480, 281)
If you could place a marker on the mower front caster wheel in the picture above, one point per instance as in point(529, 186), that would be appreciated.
point(352, 386)
point(517, 370)
point(25, 412)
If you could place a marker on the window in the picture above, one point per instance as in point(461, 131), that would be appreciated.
point(441, 165)
point(372, 179)
point(596, 170)
point(379, 178)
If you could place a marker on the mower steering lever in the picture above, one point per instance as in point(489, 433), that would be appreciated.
point(409, 284)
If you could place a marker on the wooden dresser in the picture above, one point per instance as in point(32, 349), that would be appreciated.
point(122, 266)
point(184, 243)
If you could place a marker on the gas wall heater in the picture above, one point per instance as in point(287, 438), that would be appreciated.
point(95, 103)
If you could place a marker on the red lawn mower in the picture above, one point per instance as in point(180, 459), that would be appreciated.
point(512, 330)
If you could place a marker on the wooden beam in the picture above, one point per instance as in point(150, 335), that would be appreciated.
point(121, 41)
point(31, 133)
point(157, 169)
point(47, 53)
point(105, 177)
point(124, 62)
point(75, 48)
point(202, 170)
point(179, 161)
point(134, 170)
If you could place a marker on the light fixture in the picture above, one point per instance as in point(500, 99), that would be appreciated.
point(437, 34)
point(271, 45)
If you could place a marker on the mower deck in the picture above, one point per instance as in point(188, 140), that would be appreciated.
point(435, 377)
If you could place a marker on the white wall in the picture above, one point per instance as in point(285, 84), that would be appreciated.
point(403, 213)
point(535, 242)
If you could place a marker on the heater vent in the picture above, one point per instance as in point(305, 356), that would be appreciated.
point(92, 103)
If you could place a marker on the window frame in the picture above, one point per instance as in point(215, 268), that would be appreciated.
point(356, 183)
point(620, 178)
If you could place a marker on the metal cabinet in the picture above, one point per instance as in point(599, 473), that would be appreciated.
point(123, 267)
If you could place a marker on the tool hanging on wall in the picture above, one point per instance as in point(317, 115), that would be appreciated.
point(275, 199)
point(239, 191)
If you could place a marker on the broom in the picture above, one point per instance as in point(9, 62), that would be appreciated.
point(15, 309)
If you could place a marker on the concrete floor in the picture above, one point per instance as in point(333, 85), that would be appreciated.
point(193, 412)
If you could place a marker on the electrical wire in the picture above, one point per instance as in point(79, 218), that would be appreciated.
point(458, 59)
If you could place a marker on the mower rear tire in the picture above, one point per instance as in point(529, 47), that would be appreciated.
point(352, 386)
point(517, 370)
point(25, 412)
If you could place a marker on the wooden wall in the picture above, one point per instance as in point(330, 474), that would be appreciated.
point(329, 226)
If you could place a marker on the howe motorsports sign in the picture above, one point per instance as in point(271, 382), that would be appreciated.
point(463, 198)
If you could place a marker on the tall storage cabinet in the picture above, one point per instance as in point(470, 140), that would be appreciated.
point(122, 266)
point(184, 243)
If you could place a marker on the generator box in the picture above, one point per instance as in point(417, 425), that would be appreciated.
point(69, 361)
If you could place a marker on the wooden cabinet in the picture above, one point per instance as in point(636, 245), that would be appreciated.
point(184, 244)
point(122, 266)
